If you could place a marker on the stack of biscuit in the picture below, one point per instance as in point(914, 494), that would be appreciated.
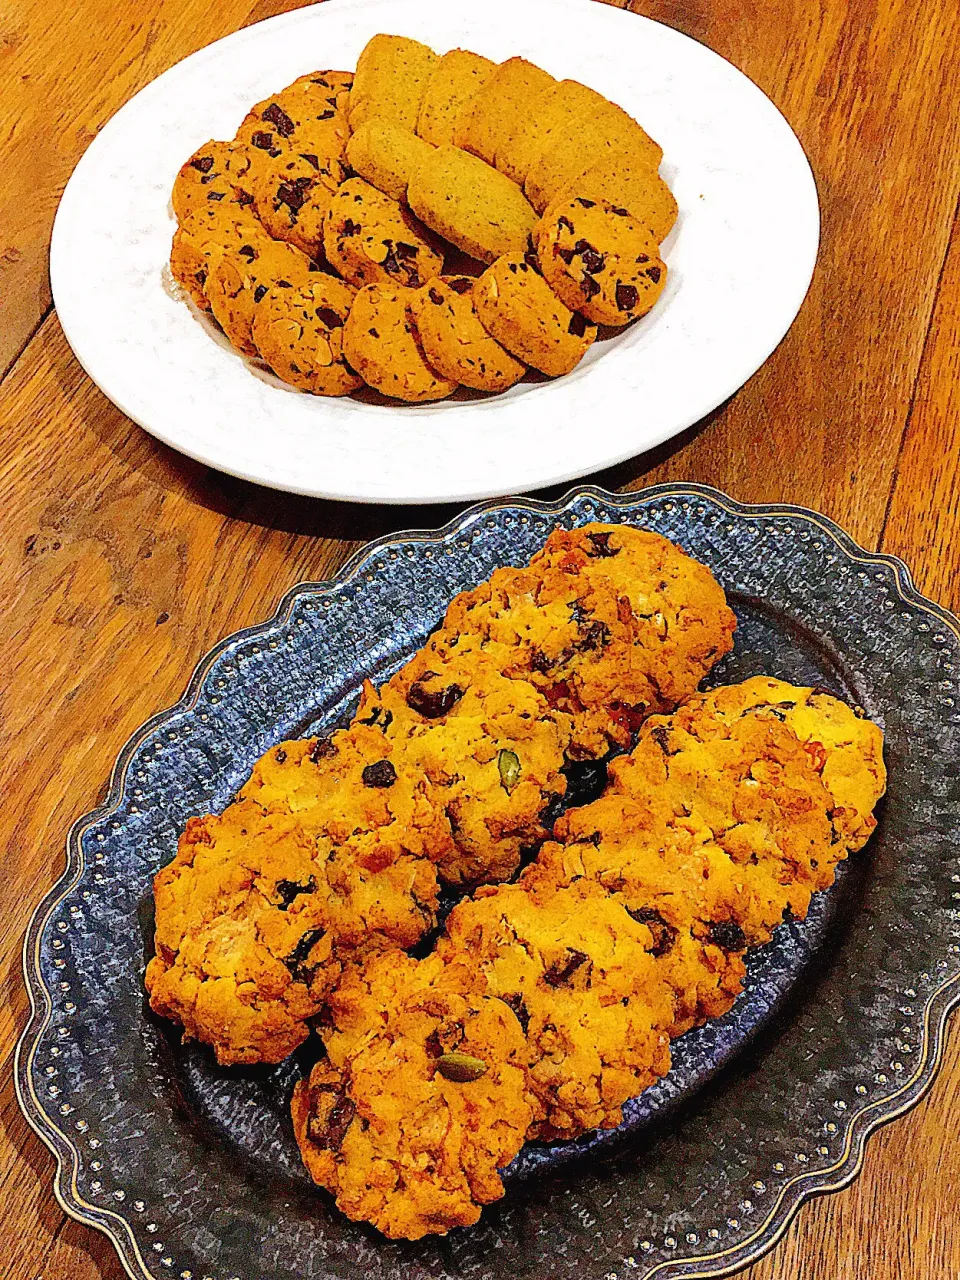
point(427, 223)
point(551, 997)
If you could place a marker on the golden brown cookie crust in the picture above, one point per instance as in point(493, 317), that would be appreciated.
point(371, 239)
point(454, 340)
point(518, 308)
point(379, 341)
point(299, 333)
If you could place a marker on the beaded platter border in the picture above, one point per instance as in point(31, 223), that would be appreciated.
point(857, 1122)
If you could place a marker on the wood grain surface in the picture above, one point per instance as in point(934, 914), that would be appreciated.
point(122, 562)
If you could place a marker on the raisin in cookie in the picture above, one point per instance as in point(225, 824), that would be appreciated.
point(454, 340)
point(471, 204)
point(370, 239)
point(240, 278)
point(421, 1100)
point(380, 343)
point(518, 308)
point(600, 261)
point(299, 333)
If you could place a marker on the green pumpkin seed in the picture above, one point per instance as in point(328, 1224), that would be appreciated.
point(508, 762)
point(461, 1067)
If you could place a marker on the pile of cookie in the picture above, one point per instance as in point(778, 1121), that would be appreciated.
point(426, 223)
point(549, 997)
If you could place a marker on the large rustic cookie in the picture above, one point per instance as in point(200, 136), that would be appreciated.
point(292, 199)
point(581, 129)
point(299, 333)
point(629, 181)
point(391, 78)
point(518, 308)
point(386, 155)
point(490, 118)
point(240, 278)
point(454, 340)
point(380, 343)
point(471, 204)
point(456, 78)
point(370, 238)
point(600, 261)
point(421, 1099)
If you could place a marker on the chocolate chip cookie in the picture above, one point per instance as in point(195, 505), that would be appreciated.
point(380, 342)
point(299, 333)
point(371, 239)
point(454, 340)
point(518, 308)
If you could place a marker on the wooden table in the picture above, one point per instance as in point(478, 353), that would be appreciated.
point(121, 562)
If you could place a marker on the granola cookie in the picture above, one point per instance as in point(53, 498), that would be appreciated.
point(421, 1100)
point(454, 340)
point(239, 279)
point(600, 261)
point(471, 204)
point(517, 307)
point(578, 971)
point(380, 343)
point(457, 78)
point(490, 117)
point(392, 76)
point(371, 239)
point(299, 333)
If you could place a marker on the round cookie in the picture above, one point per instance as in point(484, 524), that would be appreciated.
point(370, 238)
point(215, 180)
point(195, 247)
point(454, 340)
point(293, 197)
point(303, 119)
point(600, 261)
point(380, 343)
point(299, 332)
point(517, 307)
point(240, 279)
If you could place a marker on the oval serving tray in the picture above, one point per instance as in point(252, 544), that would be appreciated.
point(192, 1170)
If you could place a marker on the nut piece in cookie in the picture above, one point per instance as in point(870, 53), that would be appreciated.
point(470, 204)
point(628, 181)
point(371, 239)
point(600, 261)
point(386, 155)
point(456, 79)
point(454, 340)
point(391, 78)
point(293, 198)
point(421, 1100)
point(582, 129)
point(518, 308)
point(380, 343)
point(299, 333)
point(491, 116)
point(240, 278)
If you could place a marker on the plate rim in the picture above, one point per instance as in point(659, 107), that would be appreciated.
point(440, 491)
point(804, 1186)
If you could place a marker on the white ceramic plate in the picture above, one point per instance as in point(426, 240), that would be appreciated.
point(740, 260)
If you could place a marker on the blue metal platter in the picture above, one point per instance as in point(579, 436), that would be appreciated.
point(192, 1169)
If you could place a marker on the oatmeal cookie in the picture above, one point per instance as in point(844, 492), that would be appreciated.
point(471, 204)
point(392, 76)
point(454, 340)
point(239, 279)
point(299, 333)
point(600, 261)
point(517, 307)
point(578, 971)
point(490, 117)
point(457, 77)
point(421, 1100)
point(371, 239)
point(386, 155)
point(380, 343)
